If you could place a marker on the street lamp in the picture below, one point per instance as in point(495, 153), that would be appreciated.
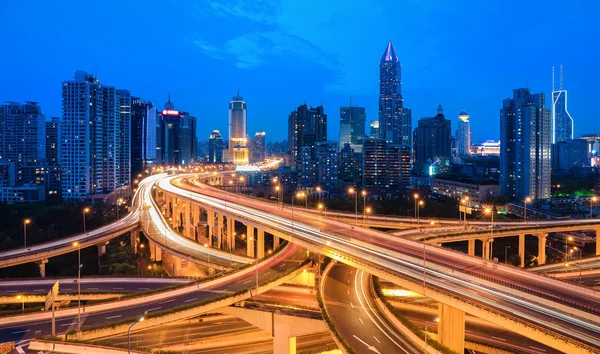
point(207, 254)
point(278, 190)
point(527, 200)
point(567, 240)
point(489, 211)
point(321, 207)
point(22, 298)
point(85, 211)
point(25, 223)
point(119, 202)
point(142, 317)
point(78, 245)
point(318, 189)
point(416, 197)
point(364, 195)
point(351, 190)
point(593, 200)
point(421, 203)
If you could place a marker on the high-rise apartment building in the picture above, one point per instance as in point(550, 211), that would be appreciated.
point(433, 138)
point(93, 138)
point(352, 126)
point(562, 122)
point(526, 135)
point(349, 166)
point(188, 141)
point(326, 156)
point(53, 156)
point(258, 147)
point(394, 126)
point(306, 127)
point(143, 135)
point(216, 146)
point(386, 167)
point(238, 139)
point(463, 134)
point(374, 133)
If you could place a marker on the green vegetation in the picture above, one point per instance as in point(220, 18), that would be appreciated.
point(571, 185)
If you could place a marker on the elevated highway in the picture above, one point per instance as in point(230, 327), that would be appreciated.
point(552, 312)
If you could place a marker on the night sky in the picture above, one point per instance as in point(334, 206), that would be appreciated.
point(462, 54)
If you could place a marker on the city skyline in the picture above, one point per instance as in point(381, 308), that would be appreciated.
point(431, 75)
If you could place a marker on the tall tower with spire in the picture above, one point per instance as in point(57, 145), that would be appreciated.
point(562, 122)
point(238, 138)
point(395, 127)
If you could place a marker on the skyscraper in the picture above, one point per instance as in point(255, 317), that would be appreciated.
point(327, 166)
point(306, 127)
point(433, 137)
point(395, 127)
point(53, 156)
point(463, 134)
point(238, 138)
point(562, 122)
point(22, 135)
point(143, 135)
point(525, 132)
point(569, 154)
point(257, 147)
point(123, 165)
point(188, 143)
point(349, 168)
point(93, 137)
point(386, 167)
point(352, 126)
point(374, 133)
point(216, 145)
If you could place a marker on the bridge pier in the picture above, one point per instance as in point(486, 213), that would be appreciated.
point(219, 230)
point(155, 253)
point(134, 238)
point(522, 250)
point(176, 266)
point(196, 220)
point(210, 220)
point(597, 242)
point(451, 328)
point(187, 220)
point(42, 265)
point(260, 245)
point(542, 248)
point(486, 248)
point(275, 242)
point(230, 231)
point(471, 247)
point(250, 241)
point(102, 249)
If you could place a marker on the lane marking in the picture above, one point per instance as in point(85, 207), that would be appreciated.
point(156, 308)
point(351, 305)
point(20, 349)
point(502, 339)
point(40, 290)
point(143, 288)
point(165, 302)
point(191, 299)
point(111, 317)
point(267, 273)
point(377, 340)
point(10, 291)
point(67, 289)
point(23, 331)
point(361, 321)
point(247, 281)
point(118, 288)
point(536, 348)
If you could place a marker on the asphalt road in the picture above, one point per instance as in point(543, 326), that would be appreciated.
point(268, 270)
point(350, 307)
point(91, 285)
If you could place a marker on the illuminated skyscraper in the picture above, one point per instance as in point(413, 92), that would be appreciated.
point(562, 122)
point(306, 127)
point(463, 134)
point(352, 126)
point(394, 126)
point(525, 132)
point(143, 135)
point(216, 145)
point(238, 138)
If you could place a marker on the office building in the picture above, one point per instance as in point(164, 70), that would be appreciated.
point(307, 167)
point(352, 126)
point(374, 133)
point(394, 126)
point(238, 139)
point(349, 166)
point(463, 134)
point(258, 147)
point(143, 135)
point(169, 135)
point(433, 139)
point(526, 136)
point(216, 146)
point(93, 138)
point(562, 122)
point(477, 192)
point(486, 148)
point(53, 157)
point(326, 156)
point(188, 141)
point(306, 127)
point(568, 154)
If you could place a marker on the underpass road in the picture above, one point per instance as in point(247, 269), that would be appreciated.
point(356, 318)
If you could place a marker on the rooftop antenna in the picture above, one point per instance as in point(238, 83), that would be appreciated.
point(561, 77)
point(553, 86)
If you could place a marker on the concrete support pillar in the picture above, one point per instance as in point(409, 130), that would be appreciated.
point(134, 238)
point(176, 266)
point(155, 253)
point(485, 250)
point(284, 344)
point(219, 230)
point(42, 265)
point(250, 241)
point(260, 245)
point(522, 250)
point(471, 247)
point(210, 220)
point(230, 228)
point(195, 220)
point(451, 328)
point(542, 248)
point(275, 242)
point(101, 249)
point(597, 242)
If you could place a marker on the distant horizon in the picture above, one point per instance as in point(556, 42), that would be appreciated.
point(279, 54)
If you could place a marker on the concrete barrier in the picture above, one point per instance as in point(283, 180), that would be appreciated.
point(76, 348)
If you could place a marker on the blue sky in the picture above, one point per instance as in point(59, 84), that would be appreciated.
point(463, 54)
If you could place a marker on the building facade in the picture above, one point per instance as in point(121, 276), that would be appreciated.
point(352, 126)
point(258, 147)
point(216, 146)
point(463, 134)
point(306, 127)
point(385, 167)
point(143, 135)
point(568, 154)
point(238, 138)
point(478, 193)
point(526, 135)
point(53, 157)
